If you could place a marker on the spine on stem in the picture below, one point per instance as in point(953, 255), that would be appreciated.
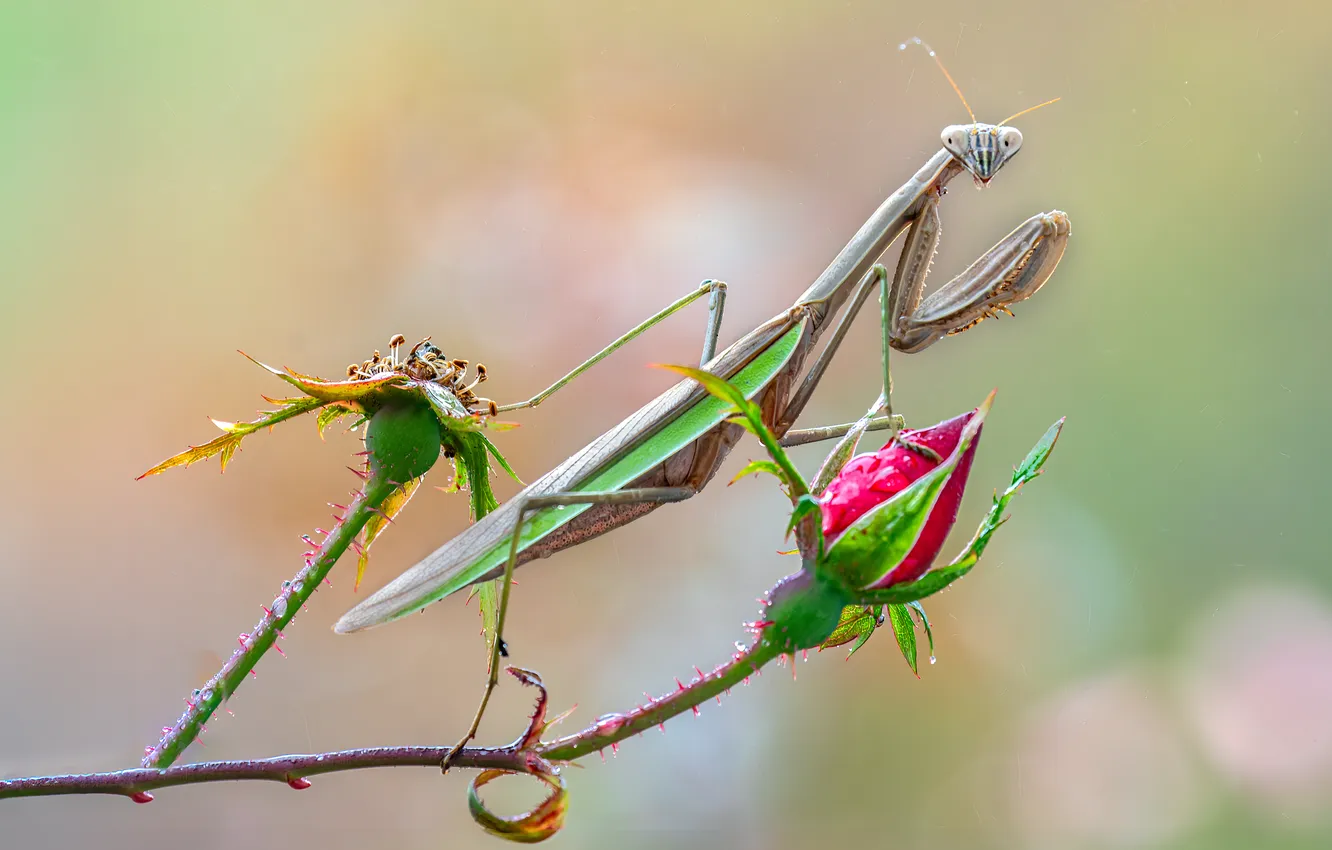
point(402, 442)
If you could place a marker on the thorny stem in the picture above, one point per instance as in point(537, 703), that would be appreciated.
point(291, 769)
point(607, 731)
point(201, 704)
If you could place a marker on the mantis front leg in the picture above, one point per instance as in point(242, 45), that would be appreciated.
point(1012, 271)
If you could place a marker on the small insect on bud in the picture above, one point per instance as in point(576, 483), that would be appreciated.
point(480, 372)
point(397, 340)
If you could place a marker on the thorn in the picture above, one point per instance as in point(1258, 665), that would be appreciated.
point(359, 474)
point(679, 684)
point(327, 581)
point(696, 711)
point(615, 749)
point(336, 506)
point(279, 650)
point(298, 783)
point(268, 612)
point(254, 674)
point(243, 639)
point(662, 727)
point(141, 797)
point(147, 751)
point(602, 753)
point(701, 676)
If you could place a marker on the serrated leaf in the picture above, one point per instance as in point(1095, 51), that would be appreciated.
point(756, 466)
point(389, 508)
point(857, 623)
point(233, 432)
point(899, 616)
point(882, 537)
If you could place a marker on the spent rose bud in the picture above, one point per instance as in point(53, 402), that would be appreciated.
point(869, 480)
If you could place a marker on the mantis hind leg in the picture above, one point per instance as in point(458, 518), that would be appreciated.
point(657, 495)
point(715, 289)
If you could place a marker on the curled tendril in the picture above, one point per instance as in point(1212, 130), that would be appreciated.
point(530, 827)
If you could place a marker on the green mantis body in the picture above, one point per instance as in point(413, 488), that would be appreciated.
point(671, 447)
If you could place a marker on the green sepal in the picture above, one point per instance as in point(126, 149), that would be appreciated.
point(378, 522)
point(499, 458)
point(936, 580)
point(752, 420)
point(857, 623)
point(924, 624)
point(904, 627)
point(368, 392)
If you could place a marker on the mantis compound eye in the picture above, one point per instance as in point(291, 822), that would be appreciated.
point(1010, 140)
point(955, 139)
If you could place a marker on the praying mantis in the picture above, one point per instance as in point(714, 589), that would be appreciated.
point(669, 449)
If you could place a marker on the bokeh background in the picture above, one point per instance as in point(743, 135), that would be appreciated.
point(1143, 660)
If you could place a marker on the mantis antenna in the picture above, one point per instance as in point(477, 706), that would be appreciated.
point(935, 56)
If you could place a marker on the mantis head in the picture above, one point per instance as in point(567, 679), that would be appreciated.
point(982, 149)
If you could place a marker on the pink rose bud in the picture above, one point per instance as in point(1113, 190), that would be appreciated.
point(869, 480)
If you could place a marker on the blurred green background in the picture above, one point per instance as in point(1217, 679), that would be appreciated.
point(1144, 659)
